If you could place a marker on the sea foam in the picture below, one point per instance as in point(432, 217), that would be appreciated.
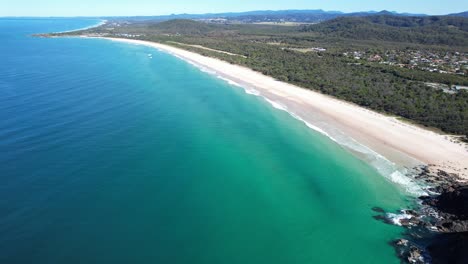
point(252, 91)
point(231, 82)
point(277, 105)
point(396, 218)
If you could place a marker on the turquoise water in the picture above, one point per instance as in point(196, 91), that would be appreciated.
point(109, 156)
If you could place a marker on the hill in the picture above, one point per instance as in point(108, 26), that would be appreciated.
point(431, 30)
point(183, 27)
point(462, 14)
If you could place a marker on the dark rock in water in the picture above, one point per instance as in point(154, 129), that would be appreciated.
point(383, 218)
point(402, 242)
point(415, 255)
point(411, 212)
point(405, 222)
point(409, 252)
point(449, 248)
point(414, 221)
point(454, 201)
point(378, 209)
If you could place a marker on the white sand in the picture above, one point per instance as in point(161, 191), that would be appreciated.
point(395, 140)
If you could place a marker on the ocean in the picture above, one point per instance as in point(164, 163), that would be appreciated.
point(117, 153)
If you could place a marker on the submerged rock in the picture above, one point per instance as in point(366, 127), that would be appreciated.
point(378, 209)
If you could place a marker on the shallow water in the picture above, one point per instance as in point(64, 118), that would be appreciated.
point(110, 155)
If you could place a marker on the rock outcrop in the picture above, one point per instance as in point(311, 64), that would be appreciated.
point(437, 231)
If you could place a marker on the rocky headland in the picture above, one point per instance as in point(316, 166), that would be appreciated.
point(436, 229)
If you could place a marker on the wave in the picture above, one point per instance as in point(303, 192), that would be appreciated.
point(396, 218)
point(231, 82)
point(398, 175)
point(213, 72)
point(206, 70)
point(252, 91)
point(277, 105)
point(309, 125)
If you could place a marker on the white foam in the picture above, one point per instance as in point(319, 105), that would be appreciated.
point(234, 83)
point(252, 91)
point(229, 81)
point(309, 125)
point(284, 108)
point(384, 166)
point(200, 67)
point(396, 218)
point(206, 70)
point(277, 105)
point(412, 187)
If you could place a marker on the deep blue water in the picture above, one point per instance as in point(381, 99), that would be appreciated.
point(110, 156)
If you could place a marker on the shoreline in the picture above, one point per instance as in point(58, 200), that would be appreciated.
point(370, 134)
point(431, 166)
point(101, 23)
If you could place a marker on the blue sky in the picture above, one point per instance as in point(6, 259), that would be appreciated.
point(163, 7)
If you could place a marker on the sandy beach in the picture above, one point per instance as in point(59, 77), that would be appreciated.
point(399, 142)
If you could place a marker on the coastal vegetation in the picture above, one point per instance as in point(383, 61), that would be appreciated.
point(434, 30)
point(315, 57)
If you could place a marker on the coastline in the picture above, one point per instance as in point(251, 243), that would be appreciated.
point(429, 165)
point(102, 22)
point(403, 144)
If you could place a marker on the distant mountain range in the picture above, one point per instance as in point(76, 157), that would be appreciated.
point(462, 14)
point(302, 16)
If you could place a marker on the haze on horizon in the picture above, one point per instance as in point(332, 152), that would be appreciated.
point(64, 8)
